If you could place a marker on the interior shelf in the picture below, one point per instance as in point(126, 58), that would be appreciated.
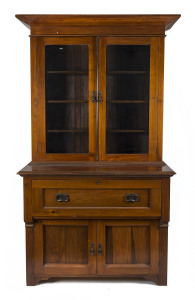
point(127, 101)
point(126, 72)
point(68, 130)
point(68, 72)
point(67, 101)
point(125, 130)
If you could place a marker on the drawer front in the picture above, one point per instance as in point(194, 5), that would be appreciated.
point(96, 198)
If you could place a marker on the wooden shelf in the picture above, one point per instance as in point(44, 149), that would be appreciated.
point(127, 101)
point(125, 130)
point(126, 72)
point(67, 130)
point(67, 101)
point(68, 72)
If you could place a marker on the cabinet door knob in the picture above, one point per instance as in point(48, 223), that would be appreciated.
point(62, 197)
point(131, 197)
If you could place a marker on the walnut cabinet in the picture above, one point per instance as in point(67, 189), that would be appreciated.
point(96, 193)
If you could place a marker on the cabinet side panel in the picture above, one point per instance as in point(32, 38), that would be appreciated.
point(33, 47)
point(27, 200)
point(30, 280)
point(165, 200)
point(163, 255)
point(160, 97)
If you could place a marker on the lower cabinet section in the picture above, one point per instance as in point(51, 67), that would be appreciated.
point(64, 248)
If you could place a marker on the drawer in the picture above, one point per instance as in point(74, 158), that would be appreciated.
point(96, 198)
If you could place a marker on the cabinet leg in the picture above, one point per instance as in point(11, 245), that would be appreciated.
point(30, 279)
point(162, 280)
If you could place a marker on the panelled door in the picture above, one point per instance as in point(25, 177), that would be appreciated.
point(127, 247)
point(65, 247)
point(66, 116)
point(128, 84)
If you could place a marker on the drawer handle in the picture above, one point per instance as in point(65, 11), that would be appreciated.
point(62, 197)
point(131, 197)
point(99, 249)
point(92, 250)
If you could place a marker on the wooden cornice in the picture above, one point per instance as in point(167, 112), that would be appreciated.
point(98, 24)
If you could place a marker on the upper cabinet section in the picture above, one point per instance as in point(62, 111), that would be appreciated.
point(97, 86)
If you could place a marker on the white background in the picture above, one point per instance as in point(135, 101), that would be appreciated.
point(179, 150)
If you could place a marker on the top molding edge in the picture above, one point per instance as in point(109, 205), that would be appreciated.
point(167, 21)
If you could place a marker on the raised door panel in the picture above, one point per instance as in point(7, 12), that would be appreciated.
point(64, 247)
point(64, 119)
point(128, 77)
point(128, 247)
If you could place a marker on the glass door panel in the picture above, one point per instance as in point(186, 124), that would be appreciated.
point(127, 99)
point(67, 98)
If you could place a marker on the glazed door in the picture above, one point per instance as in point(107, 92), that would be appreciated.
point(127, 247)
point(66, 79)
point(128, 85)
point(65, 247)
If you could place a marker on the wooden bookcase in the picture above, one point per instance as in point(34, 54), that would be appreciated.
point(96, 193)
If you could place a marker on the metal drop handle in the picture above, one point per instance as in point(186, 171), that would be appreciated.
point(93, 97)
point(99, 249)
point(62, 197)
point(99, 96)
point(131, 197)
point(92, 250)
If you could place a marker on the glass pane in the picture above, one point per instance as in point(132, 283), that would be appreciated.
point(67, 98)
point(127, 99)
